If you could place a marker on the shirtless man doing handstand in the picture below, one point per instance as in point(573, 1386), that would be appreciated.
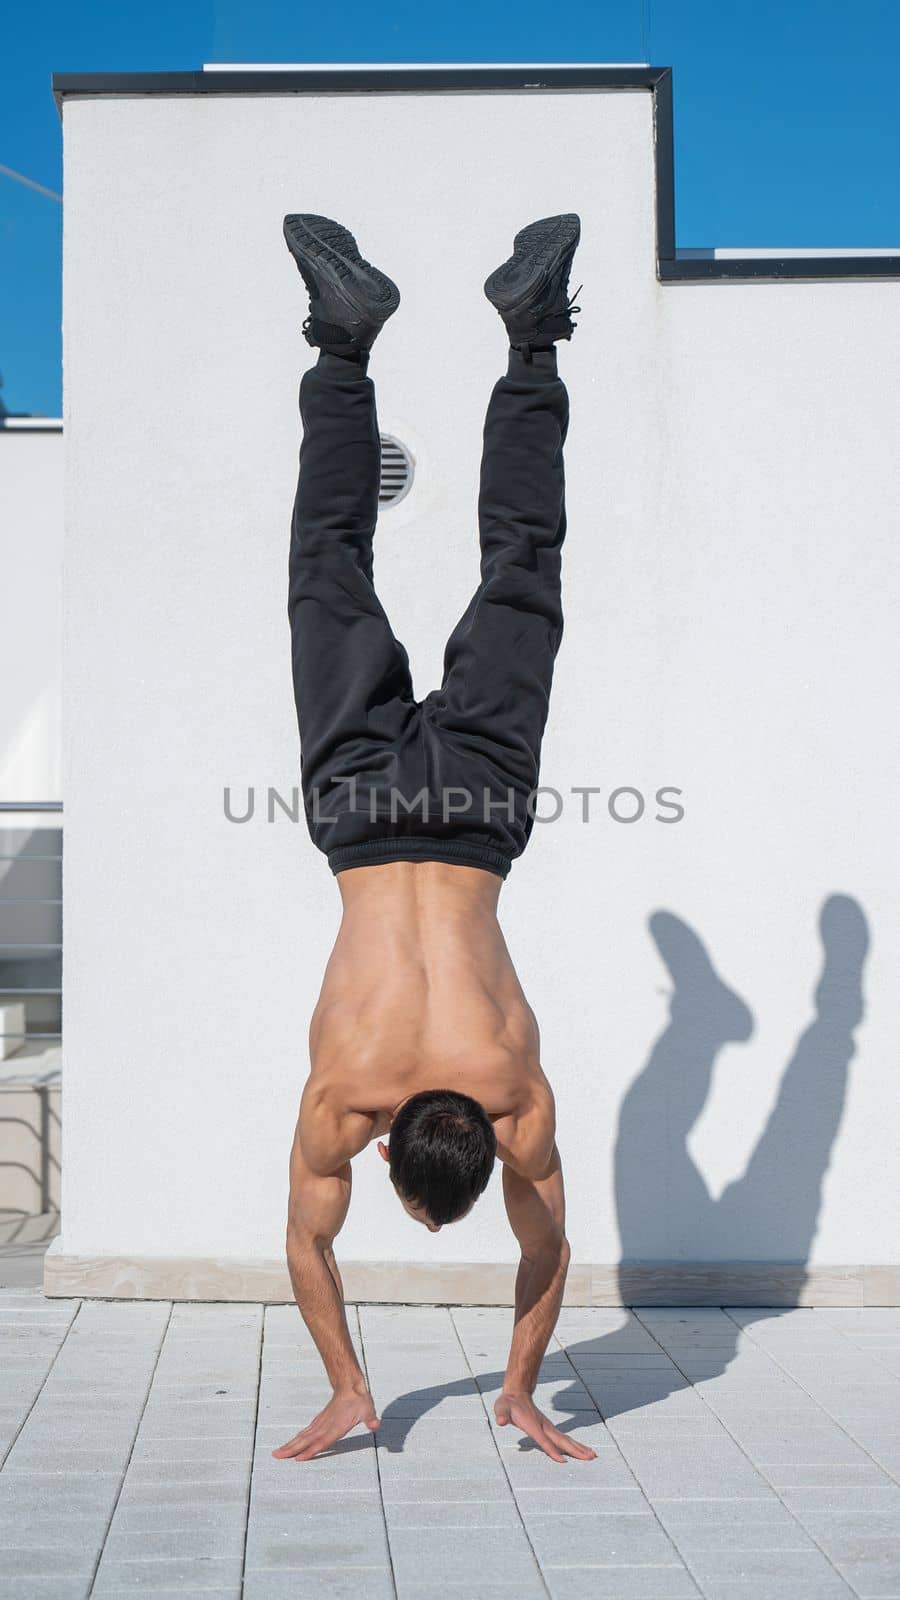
point(422, 1038)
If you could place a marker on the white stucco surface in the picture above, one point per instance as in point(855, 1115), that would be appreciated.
point(731, 589)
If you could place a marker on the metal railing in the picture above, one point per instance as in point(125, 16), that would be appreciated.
point(31, 920)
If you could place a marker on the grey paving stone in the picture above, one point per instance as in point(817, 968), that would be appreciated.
point(640, 1361)
point(691, 1426)
point(820, 1474)
point(202, 1542)
point(229, 1415)
point(447, 1407)
point(56, 1488)
point(40, 1562)
point(462, 1438)
point(696, 1479)
point(776, 1572)
point(485, 1556)
point(27, 1527)
point(318, 1514)
point(145, 1478)
point(611, 1540)
point(26, 1313)
point(133, 1516)
point(470, 1587)
point(677, 1471)
point(204, 1391)
point(586, 1502)
point(620, 1583)
point(335, 1471)
point(277, 1514)
point(462, 1514)
point(233, 1592)
point(767, 1511)
point(86, 1432)
point(811, 1444)
point(231, 1449)
point(840, 1532)
point(317, 1544)
point(58, 1588)
point(884, 1496)
point(28, 1458)
point(697, 1538)
point(872, 1577)
point(413, 1489)
point(320, 1583)
point(172, 1574)
point(166, 1491)
point(402, 1466)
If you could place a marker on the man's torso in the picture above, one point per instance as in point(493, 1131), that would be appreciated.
point(420, 993)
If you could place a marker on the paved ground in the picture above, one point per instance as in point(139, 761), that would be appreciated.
point(741, 1454)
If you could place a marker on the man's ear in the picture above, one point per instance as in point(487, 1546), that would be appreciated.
point(383, 1150)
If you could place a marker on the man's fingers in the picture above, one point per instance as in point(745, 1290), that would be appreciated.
point(320, 1441)
point(296, 1443)
point(534, 1427)
point(571, 1447)
point(549, 1446)
point(574, 1447)
point(289, 1449)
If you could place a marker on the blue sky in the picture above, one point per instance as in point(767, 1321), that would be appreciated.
point(785, 123)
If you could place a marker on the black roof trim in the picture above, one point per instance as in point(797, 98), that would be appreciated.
point(28, 427)
point(671, 268)
point(344, 80)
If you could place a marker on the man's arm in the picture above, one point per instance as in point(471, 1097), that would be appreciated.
point(536, 1209)
point(316, 1212)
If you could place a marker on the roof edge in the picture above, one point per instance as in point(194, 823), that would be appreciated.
point(341, 79)
point(672, 266)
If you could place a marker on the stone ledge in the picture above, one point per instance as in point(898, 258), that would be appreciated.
point(474, 1283)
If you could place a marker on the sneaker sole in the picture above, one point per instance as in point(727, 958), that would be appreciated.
point(538, 251)
point(323, 247)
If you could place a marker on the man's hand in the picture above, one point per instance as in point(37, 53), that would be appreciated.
point(344, 1410)
point(521, 1410)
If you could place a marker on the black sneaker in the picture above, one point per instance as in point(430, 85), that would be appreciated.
point(531, 289)
point(349, 300)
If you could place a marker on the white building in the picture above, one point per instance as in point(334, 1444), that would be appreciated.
point(731, 589)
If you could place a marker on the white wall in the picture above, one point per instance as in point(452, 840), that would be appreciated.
point(31, 538)
point(731, 598)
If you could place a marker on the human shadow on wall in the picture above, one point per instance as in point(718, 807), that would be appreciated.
point(665, 1210)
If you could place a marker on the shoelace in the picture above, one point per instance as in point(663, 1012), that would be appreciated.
point(558, 325)
point(571, 305)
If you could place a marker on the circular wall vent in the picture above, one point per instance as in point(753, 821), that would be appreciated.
point(396, 471)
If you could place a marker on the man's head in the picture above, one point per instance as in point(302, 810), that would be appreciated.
point(442, 1151)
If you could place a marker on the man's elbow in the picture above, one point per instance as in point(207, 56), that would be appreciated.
point(551, 1249)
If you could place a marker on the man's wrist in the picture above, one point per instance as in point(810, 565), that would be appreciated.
point(518, 1389)
point(351, 1385)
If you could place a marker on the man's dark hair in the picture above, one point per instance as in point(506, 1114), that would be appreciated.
point(442, 1147)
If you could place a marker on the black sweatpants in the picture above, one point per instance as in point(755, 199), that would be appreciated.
point(386, 777)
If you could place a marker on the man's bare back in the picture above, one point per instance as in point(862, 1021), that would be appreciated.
point(420, 993)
